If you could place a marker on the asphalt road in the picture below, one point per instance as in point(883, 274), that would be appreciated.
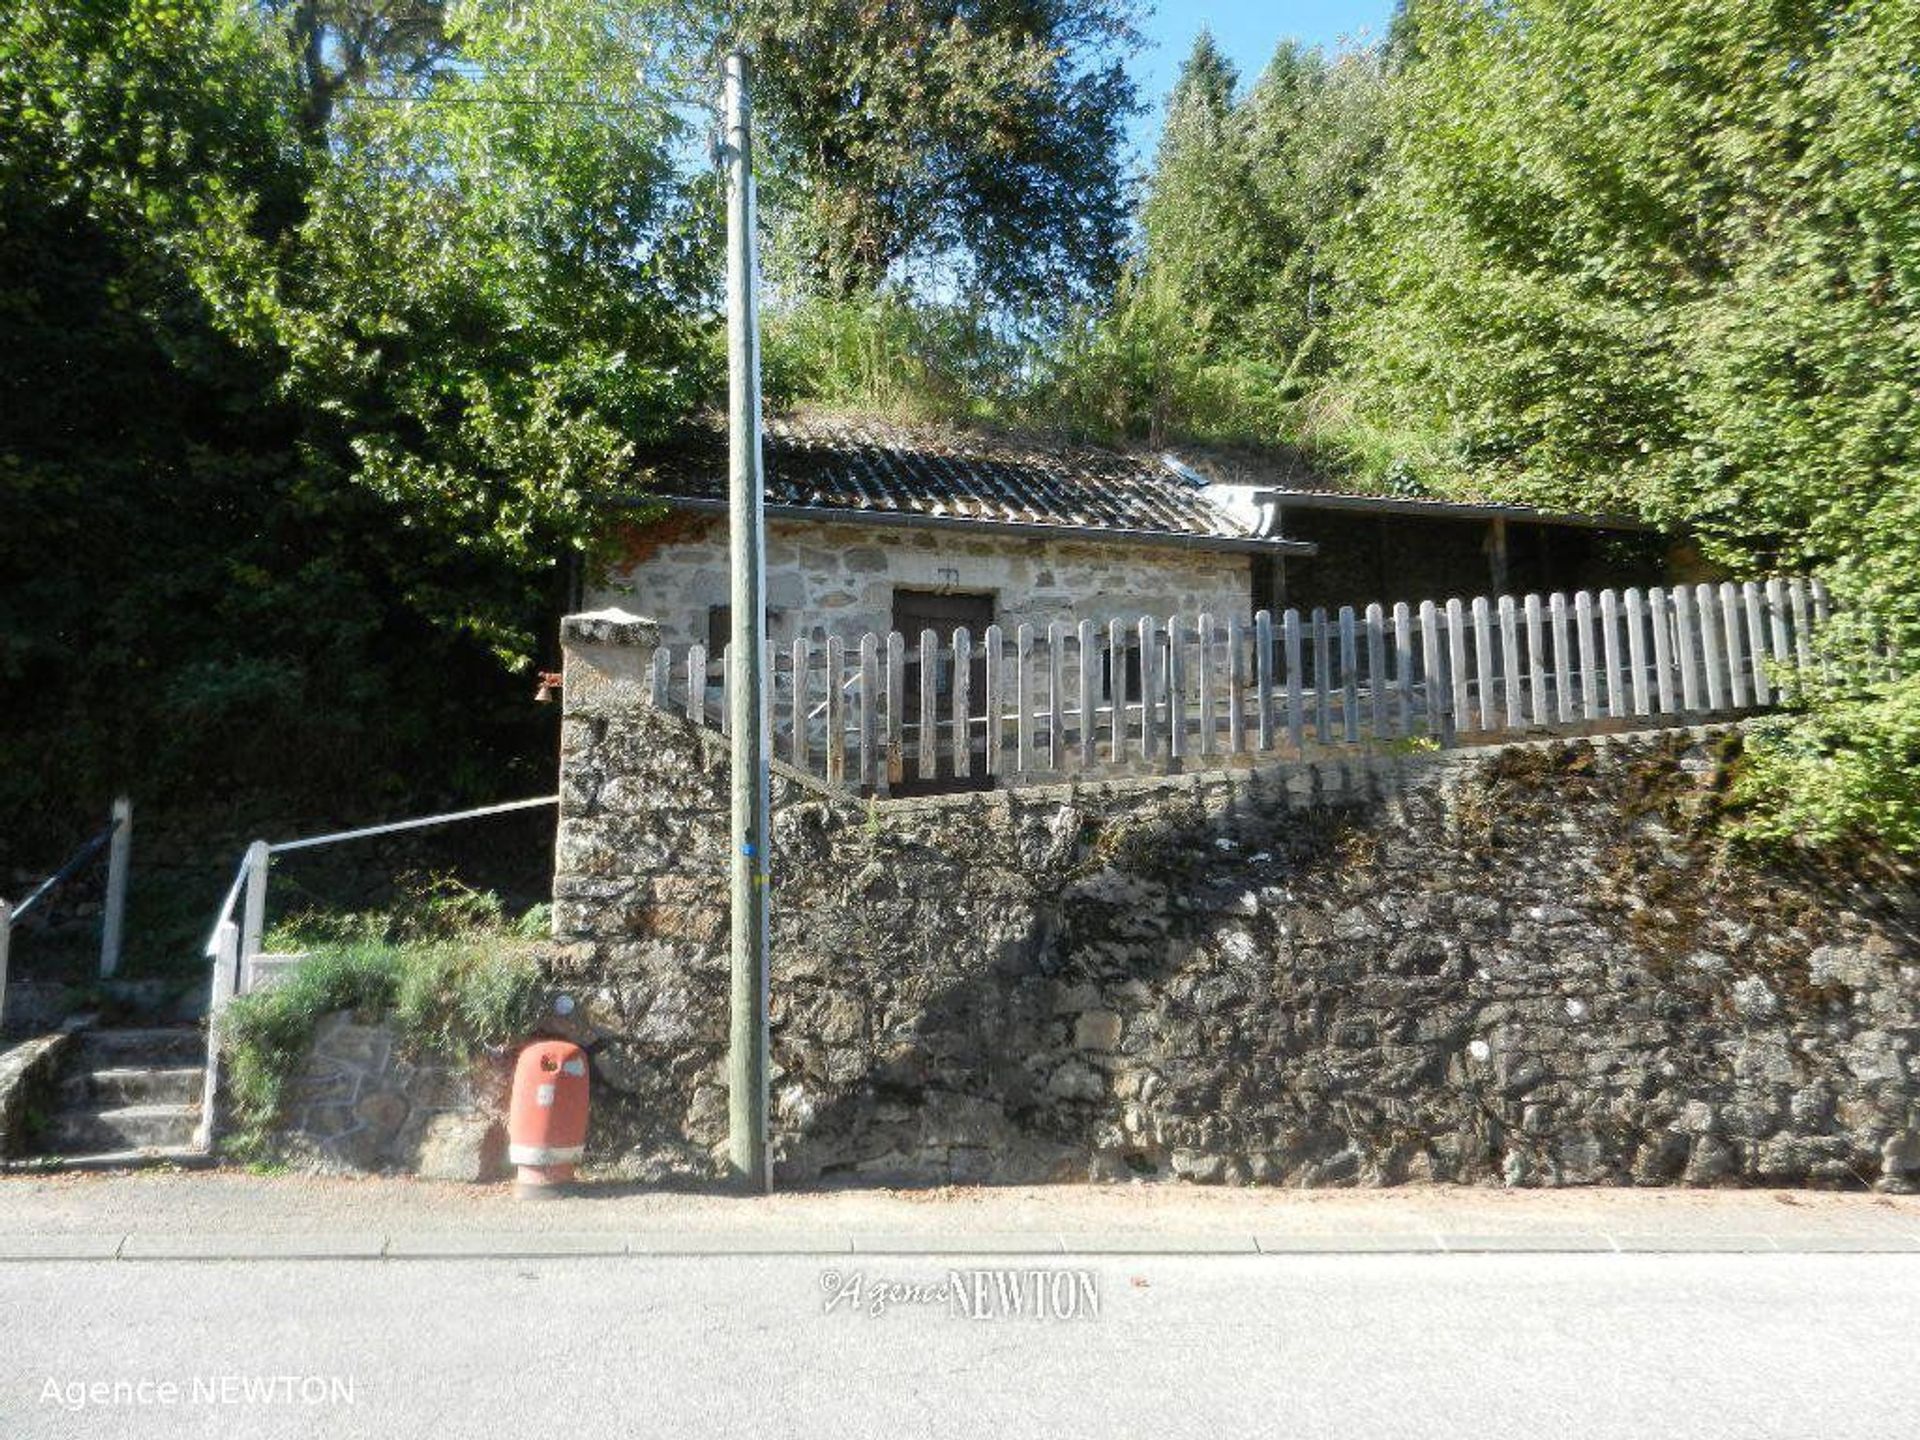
point(1181, 1346)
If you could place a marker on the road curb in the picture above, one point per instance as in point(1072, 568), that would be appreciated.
point(141, 1247)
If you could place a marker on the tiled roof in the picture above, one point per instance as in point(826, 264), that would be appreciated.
point(837, 463)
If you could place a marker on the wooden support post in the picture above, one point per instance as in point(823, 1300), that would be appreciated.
point(1088, 654)
point(113, 918)
point(1497, 565)
point(929, 736)
point(896, 703)
point(993, 644)
point(748, 1063)
point(1236, 687)
point(1349, 677)
point(962, 702)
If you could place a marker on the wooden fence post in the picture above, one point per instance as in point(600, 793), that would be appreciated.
point(1088, 655)
point(113, 918)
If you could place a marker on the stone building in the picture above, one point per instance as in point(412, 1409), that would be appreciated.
point(873, 526)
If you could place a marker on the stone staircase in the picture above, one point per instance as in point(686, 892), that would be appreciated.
point(129, 1097)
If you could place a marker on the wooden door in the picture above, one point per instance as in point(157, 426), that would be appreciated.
point(943, 613)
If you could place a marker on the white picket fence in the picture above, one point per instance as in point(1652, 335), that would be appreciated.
point(1178, 692)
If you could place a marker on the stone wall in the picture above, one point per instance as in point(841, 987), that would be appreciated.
point(1535, 965)
point(29, 1076)
point(841, 578)
point(358, 1103)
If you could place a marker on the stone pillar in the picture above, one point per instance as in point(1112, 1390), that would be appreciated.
point(607, 657)
point(607, 662)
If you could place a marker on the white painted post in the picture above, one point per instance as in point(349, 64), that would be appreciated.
point(113, 918)
point(1322, 678)
point(1117, 669)
point(1433, 667)
point(1610, 653)
point(1755, 601)
point(1023, 699)
point(253, 910)
point(1562, 659)
point(1537, 662)
point(963, 701)
point(1713, 650)
point(1637, 650)
point(1089, 654)
point(1176, 692)
point(1510, 662)
point(1483, 662)
point(6, 942)
point(1403, 668)
point(1377, 670)
point(1349, 677)
point(1149, 690)
point(1736, 657)
point(836, 710)
point(1583, 636)
point(1236, 688)
point(1687, 638)
point(1264, 735)
point(1296, 702)
point(896, 703)
point(929, 736)
point(660, 678)
point(1802, 631)
point(1203, 680)
point(226, 959)
point(1056, 699)
point(1660, 617)
point(1777, 615)
point(1458, 710)
point(869, 736)
point(996, 705)
point(799, 741)
point(726, 689)
point(697, 684)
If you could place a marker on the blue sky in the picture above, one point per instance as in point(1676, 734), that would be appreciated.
point(1247, 30)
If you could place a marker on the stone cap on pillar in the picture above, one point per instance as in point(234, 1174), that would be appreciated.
point(608, 660)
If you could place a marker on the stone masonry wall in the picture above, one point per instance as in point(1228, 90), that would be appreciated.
point(1535, 965)
point(841, 577)
point(358, 1103)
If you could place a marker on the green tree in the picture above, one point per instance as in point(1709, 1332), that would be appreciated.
point(981, 137)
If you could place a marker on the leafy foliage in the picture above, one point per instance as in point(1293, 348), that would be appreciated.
point(978, 136)
point(446, 971)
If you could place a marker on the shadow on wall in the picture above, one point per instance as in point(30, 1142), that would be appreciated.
point(1536, 965)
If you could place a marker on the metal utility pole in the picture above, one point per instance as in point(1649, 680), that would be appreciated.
point(752, 832)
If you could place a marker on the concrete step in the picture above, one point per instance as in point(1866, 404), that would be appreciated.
point(126, 1127)
point(121, 1085)
point(182, 1155)
point(147, 1049)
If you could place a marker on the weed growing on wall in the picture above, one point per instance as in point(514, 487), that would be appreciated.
point(446, 970)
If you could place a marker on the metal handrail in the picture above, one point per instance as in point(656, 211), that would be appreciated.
point(88, 849)
point(310, 842)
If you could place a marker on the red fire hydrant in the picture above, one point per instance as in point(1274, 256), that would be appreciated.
point(547, 1121)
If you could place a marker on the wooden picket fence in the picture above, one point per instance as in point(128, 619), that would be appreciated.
point(1174, 692)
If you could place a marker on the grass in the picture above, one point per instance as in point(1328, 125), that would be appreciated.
point(446, 970)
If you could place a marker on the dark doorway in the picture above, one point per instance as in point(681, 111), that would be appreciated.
point(943, 613)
